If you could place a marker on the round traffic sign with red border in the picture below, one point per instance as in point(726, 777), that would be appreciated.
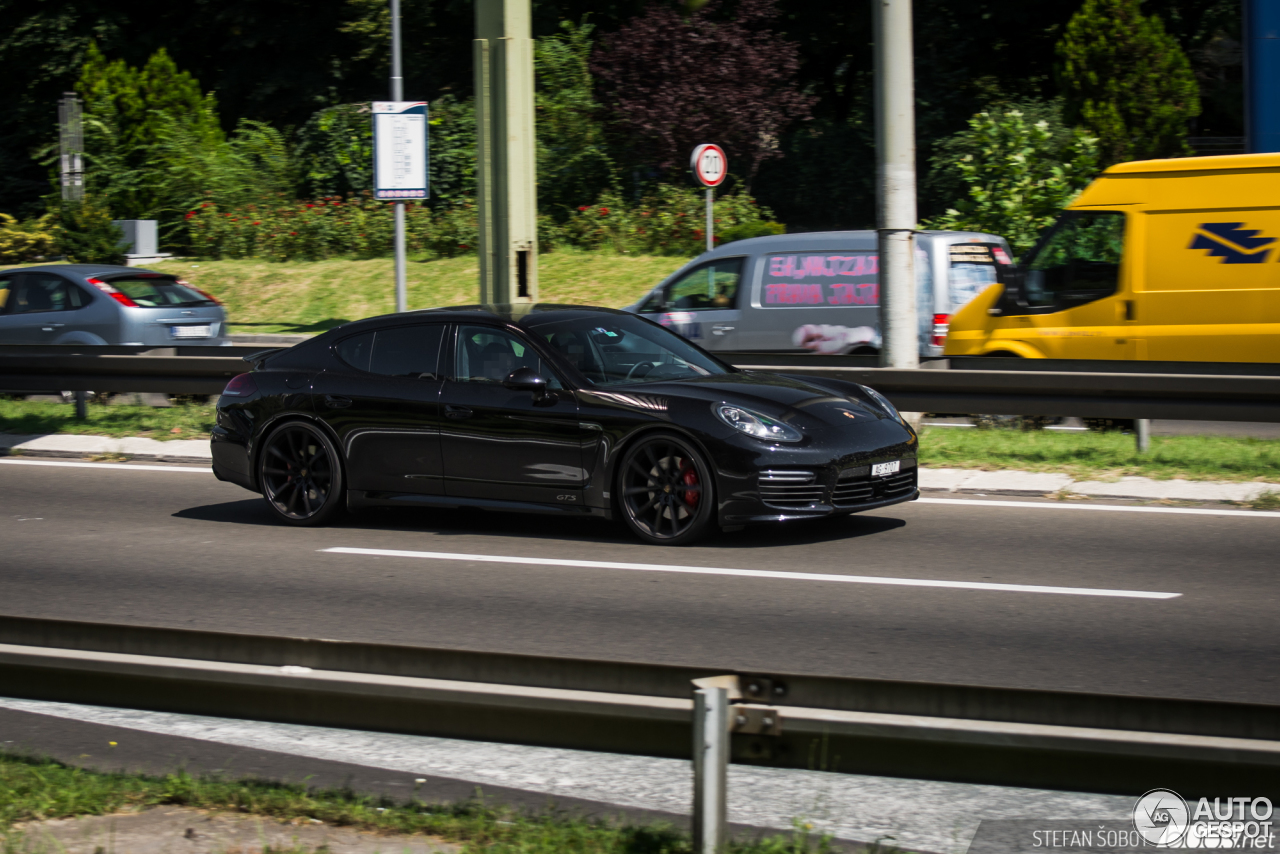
point(709, 165)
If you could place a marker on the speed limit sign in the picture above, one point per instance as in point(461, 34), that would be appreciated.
point(709, 165)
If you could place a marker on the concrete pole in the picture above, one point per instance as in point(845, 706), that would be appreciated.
point(710, 769)
point(397, 94)
point(506, 187)
point(896, 173)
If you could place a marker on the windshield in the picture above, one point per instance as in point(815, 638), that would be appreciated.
point(614, 349)
point(159, 292)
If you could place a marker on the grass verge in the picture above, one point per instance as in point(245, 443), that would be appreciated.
point(184, 421)
point(1094, 456)
point(36, 789)
point(312, 296)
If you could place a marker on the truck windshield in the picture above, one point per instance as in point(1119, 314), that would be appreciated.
point(1078, 261)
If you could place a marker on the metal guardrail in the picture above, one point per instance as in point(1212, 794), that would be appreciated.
point(1003, 387)
point(1056, 739)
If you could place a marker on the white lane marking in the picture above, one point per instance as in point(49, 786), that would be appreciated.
point(1119, 508)
point(757, 573)
point(125, 466)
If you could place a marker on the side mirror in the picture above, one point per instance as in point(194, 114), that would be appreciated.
point(526, 379)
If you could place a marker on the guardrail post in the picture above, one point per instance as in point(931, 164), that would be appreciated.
point(81, 412)
point(710, 765)
point(1142, 432)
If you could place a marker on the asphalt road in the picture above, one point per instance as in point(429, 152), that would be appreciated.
point(134, 545)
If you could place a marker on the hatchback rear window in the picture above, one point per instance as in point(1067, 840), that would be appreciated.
point(159, 292)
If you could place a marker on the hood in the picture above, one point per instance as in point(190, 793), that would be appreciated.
point(791, 399)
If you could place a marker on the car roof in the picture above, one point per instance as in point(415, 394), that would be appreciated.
point(810, 241)
point(83, 270)
point(525, 315)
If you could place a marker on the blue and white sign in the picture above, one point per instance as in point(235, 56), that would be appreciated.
point(400, 150)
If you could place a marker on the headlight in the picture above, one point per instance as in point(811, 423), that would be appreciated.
point(884, 404)
point(755, 424)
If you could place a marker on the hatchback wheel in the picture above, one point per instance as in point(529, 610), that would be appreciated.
point(665, 491)
point(300, 475)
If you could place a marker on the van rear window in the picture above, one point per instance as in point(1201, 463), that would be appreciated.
point(818, 279)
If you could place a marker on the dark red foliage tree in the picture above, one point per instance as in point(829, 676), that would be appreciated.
point(677, 80)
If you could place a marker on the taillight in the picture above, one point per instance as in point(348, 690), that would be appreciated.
point(210, 297)
point(941, 322)
point(240, 386)
point(112, 292)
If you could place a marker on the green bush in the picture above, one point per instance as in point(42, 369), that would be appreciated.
point(25, 241)
point(747, 230)
point(1019, 174)
point(86, 234)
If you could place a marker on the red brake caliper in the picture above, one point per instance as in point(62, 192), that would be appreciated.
point(689, 477)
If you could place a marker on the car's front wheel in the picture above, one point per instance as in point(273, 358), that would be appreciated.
point(300, 475)
point(665, 490)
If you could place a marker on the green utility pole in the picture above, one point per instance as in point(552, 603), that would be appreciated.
point(505, 176)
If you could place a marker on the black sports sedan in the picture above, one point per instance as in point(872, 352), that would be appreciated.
point(552, 409)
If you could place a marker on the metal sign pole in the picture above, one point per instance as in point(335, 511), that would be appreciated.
point(710, 768)
point(710, 222)
point(896, 153)
point(397, 94)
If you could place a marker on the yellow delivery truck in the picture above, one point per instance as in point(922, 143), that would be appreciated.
point(1166, 260)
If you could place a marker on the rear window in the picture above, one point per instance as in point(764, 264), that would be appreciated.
point(973, 270)
point(158, 292)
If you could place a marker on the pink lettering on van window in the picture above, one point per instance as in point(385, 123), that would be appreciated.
point(821, 266)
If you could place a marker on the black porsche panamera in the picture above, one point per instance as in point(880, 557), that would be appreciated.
point(552, 409)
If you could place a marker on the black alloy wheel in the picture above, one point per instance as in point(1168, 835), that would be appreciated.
point(300, 475)
point(665, 490)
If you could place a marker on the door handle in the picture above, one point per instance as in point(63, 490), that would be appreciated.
point(720, 329)
point(456, 412)
point(52, 326)
point(336, 402)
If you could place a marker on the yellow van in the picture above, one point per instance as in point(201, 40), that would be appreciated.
point(1166, 260)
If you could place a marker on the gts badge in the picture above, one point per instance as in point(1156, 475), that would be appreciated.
point(1232, 242)
point(566, 498)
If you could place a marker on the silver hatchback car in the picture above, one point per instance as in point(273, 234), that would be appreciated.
point(104, 304)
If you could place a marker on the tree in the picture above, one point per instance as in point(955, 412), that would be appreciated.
point(679, 80)
point(1127, 81)
point(1019, 174)
point(574, 164)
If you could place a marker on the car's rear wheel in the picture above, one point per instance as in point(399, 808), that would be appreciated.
point(665, 490)
point(300, 475)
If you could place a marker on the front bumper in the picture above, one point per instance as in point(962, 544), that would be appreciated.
point(838, 494)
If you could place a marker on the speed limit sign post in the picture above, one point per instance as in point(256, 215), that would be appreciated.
point(710, 167)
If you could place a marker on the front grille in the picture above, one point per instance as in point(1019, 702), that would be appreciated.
point(853, 489)
point(790, 490)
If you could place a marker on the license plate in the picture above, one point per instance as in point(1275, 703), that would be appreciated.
point(882, 469)
point(191, 331)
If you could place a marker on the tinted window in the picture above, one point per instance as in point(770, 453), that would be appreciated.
point(158, 291)
point(1077, 261)
point(4, 292)
point(820, 279)
point(44, 292)
point(488, 355)
point(709, 287)
point(405, 351)
point(617, 349)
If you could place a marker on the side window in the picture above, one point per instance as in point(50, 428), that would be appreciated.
point(407, 351)
point(710, 287)
point(488, 355)
point(5, 285)
point(45, 292)
point(404, 351)
point(356, 350)
point(1078, 261)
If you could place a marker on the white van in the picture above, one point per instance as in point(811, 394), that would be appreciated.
point(818, 292)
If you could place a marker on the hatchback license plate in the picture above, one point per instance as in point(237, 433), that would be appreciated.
point(882, 469)
point(191, 331)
